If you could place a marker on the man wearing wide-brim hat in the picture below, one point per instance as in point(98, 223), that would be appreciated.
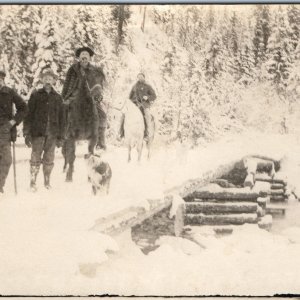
point(8, 123)
point(43, 127)
point(80, 122)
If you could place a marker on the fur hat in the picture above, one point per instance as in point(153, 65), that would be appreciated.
point(81, 49)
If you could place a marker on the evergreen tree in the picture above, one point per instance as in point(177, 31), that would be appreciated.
point(120, 17)
point(47, 41)
point(29, 20)
point(262, 33)
point(279, 52)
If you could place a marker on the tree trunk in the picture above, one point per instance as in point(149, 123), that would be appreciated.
point(270, 180)
point(234, 219)
point(280, 198)
point(227, 207)
point(121, 9)
point(242, 196)
point(144, 19)
point(277, 186)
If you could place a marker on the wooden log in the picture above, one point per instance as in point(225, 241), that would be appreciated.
point(223, 183)
point(276, 192)
point(273, 181)
point(278, 198)
point(262, 201)
point(261, 212)
point(277, 186)
point(276, 209)
point(179, 220)
point(234, 219)
point(223, 230)
point(234, 195)
point(217, 207)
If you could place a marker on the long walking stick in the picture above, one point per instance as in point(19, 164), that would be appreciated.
point(14, 167)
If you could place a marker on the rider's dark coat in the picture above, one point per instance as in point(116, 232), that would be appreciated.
point(141, 89)
point(81, 118)
point(73, 78)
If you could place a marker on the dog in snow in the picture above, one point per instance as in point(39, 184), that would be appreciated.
point(99, 172)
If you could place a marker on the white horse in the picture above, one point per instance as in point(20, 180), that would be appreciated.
point(134, 128)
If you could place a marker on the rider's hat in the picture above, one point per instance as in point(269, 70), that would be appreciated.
point(87, 49)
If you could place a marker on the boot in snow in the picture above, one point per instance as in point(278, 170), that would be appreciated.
point(34, 170)
point(47, 169)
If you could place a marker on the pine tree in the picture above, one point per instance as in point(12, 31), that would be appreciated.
point(120, 17)
point(9, 45)
point(29, 20)
point(214, 59)
point(279, 52)
point(262, 33)
point(47, 41)
point(294, 22)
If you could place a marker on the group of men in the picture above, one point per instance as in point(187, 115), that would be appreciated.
point(43, 116)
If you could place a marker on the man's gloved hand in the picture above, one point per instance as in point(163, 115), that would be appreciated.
point(145, 98)
point(28, 141)
point(59, 143)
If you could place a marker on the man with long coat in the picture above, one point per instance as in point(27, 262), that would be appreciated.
point(81, 121)
point(8, 123)
point(43, 127)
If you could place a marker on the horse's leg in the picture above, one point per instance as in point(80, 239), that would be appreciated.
point(149, 150)
point(129, 152)
point(92, 144)
point(140, 150)
point(70, 157)
point(151, 137)
point(63, 152)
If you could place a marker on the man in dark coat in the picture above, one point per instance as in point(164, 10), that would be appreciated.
point(143, 95)
point(75, 83)
point(43, 127)
point(8, 123)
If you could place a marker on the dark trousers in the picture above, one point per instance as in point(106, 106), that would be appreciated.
point(5, 160)
point(43, 151)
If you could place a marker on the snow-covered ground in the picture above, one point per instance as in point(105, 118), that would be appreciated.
point(47, 247)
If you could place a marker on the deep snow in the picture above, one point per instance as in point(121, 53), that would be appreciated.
point(47, 247)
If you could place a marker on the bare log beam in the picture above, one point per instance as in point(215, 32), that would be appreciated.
point(227, 207)
point(234, 219)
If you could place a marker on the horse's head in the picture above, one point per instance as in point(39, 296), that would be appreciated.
point(95, 80)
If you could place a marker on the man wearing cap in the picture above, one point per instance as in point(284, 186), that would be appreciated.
point(8, 123)
point(143, 95)
point(43, 127)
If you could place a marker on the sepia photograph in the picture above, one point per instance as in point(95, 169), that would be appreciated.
point(149, 150)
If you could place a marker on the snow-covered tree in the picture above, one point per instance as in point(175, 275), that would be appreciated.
point(47, 40)
point(262, 33)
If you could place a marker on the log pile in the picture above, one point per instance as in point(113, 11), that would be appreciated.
point(230, 206)
point(277, 191)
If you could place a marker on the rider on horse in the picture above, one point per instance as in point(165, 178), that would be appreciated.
point(84, 116)
point(75, 83)
point(142, 95)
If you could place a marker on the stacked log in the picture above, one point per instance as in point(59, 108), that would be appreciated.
point(226, 207)
point(277, 192)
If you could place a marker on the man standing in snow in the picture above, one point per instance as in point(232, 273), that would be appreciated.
point(142, 95)
point(43, 127)
point(8, 123)
point(76, 81)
